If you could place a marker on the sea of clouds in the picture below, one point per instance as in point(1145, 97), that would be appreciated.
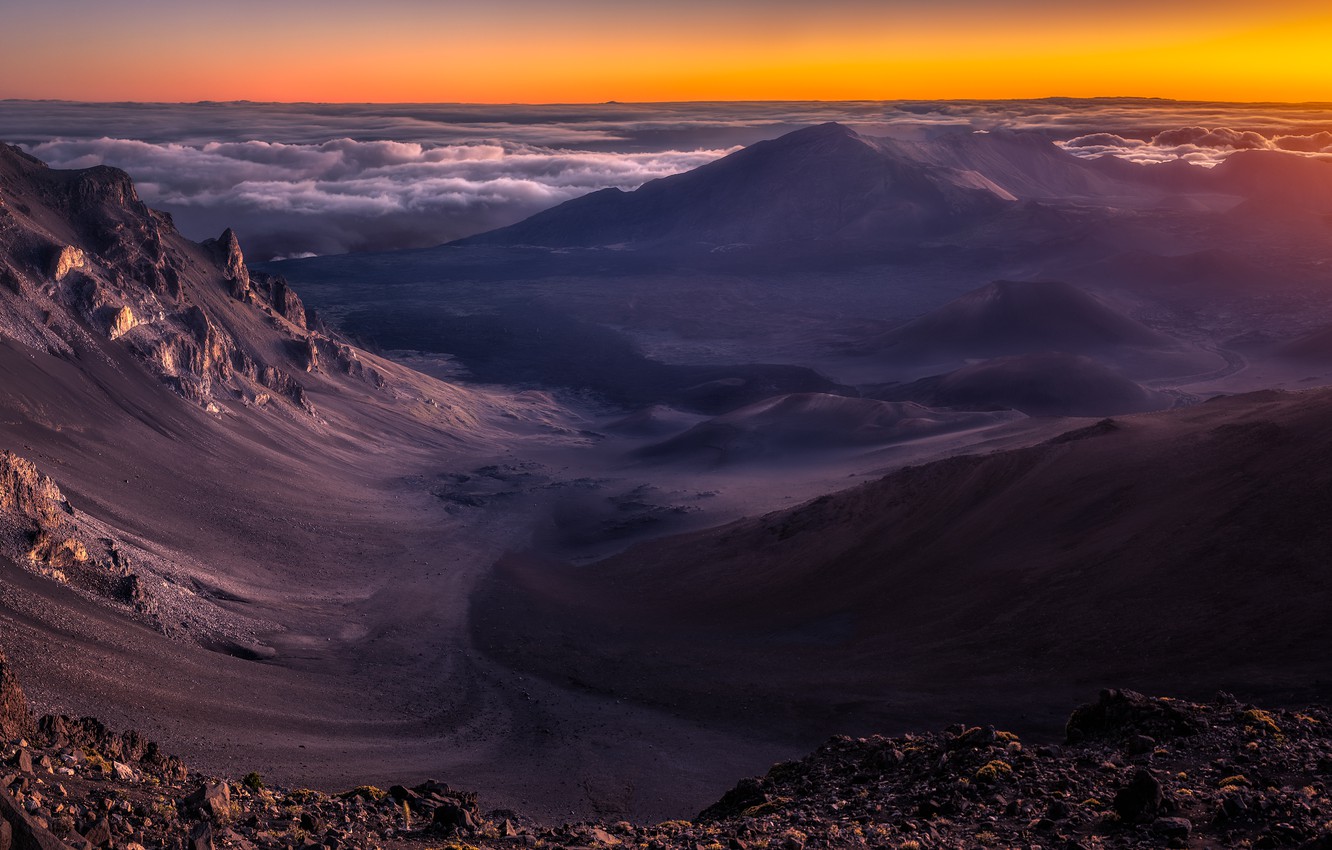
point(346, 195)
point(299, 179)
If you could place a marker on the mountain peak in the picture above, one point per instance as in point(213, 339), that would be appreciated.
point(824, 183)
point(827, 130)
point(227, 250)
point(831, 139)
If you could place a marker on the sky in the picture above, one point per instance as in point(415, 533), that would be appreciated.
point(591, 51)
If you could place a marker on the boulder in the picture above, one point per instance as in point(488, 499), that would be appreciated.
point(25, 834)
point(1172, 827)
point(1141, 796)
point(213, 799)
point(201, 837)
point(99, 834)
point(452, 818)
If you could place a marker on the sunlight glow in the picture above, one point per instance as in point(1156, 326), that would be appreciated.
point(588, 52)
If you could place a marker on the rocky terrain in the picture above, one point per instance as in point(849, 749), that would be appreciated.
point(1130, 771)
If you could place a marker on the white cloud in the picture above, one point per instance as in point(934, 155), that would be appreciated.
point(1199, 145)
point(343, 194)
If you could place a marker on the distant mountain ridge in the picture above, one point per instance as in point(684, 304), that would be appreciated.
point(820, 183)
point(828, 183)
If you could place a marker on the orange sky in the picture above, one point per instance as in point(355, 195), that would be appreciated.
point(594, 50)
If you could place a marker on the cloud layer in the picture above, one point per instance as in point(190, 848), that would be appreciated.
point(344, 195)
point(1199, 145)
point(319, 178)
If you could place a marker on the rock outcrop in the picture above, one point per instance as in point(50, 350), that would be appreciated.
point(67, 259)
point(274, 291)
point(226, 249)
point(39, 528)
point(15, 719)
point(26, 493)
point(84, 262)
point(122, 321)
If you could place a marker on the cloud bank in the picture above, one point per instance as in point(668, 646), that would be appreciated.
point(329, 178)
point(1199, 145)
point(344, 195)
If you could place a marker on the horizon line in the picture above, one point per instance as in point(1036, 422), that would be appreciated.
point(1051, 98)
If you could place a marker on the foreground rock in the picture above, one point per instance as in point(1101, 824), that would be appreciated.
point(1135, 771)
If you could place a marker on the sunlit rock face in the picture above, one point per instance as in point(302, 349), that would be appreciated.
point(81, 257)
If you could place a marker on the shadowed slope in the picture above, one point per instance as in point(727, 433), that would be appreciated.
point(1018, 317)
point(1184, 549)
point(531, 344)
point(1050, 384)
point(784, 427)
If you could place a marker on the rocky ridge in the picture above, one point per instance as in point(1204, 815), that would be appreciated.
point(84, 262)
point(1133, 771)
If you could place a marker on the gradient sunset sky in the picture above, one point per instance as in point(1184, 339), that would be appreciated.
point(543, 51)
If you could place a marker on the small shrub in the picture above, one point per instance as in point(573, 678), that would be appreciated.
point(369, 792)
point(96, 762)
point(1260, 720)
point(994, 771)
point(767, 807)
point(674, 825)
point(253, 781)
